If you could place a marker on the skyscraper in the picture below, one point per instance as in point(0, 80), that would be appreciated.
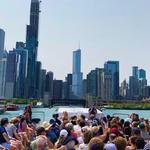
point(100, 83)
point(92, 84)
point(2, 39)
point(112, 67)
point(42, 82)
point(32, 46)
point(142, 74)
point(134, 83)
point(67, 94)
point(20, 50)
point(133, 87)
point(3, 63)
point(12, 74)
point(124, 89)
point(57, 89)
point(108, 86)
point(135, 71)
point(77, 75)
point(49, 84)
point(38, 79)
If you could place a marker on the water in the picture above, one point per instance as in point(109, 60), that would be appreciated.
point(142, 113)
point(46, 113)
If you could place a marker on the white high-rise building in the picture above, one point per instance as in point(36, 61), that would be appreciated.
point(77, 75)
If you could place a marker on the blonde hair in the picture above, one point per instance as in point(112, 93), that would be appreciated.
point(96, 143)
point(120, 143)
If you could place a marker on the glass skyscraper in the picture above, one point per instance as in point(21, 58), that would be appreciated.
point(3, 63)
point(12, 74)
point(77, 75)
point(112, 67)
point(32, 46)
point(142, 74)
point(20, 50)
point(2, 39)
point(135, 71)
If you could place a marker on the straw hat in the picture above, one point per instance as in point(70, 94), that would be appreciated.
point(46, 125)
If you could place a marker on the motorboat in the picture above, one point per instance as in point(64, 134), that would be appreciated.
point(12, 107)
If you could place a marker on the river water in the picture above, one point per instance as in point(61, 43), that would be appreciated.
point(46, 113)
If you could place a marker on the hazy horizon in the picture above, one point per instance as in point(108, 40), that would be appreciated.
point(106, 30)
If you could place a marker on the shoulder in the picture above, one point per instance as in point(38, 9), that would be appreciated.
point(2, 129)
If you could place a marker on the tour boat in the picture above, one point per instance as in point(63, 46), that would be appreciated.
point(76, 111)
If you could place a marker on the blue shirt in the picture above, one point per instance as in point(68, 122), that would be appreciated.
point(2, 139)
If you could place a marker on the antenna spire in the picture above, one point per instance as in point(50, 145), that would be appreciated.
point(79, 44)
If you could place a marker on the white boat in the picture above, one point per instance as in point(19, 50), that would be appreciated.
point(76, 111)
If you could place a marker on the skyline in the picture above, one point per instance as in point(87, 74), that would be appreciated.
point(109, 32)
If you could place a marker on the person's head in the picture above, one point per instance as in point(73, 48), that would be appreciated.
point(93, 111)
point(69, 127)
point(65, 117)
point(146, 121)
point(14, 121)
point(127, 131)
point(82, 123)
point(135, 124)
point(95, 130)
point(136, 132)
point(4, 122)
point(122, 121)
point(63, 133)
point(114, 131)
point(84, 129)
point(112, 137)
point(82, 117)
point(120, 143)
point(52, 121)
point(119, 126)
point(40, 131)
point(140, 143)
point(96, 144)
point(55, 116)
point(94, 123)
point(87, 136)
point(105, 119)
point(132, 140)
point(142, 126)
point(127, 124)
point(78, 121)
point(73, 120)
point(65, 114)
point(46, 125)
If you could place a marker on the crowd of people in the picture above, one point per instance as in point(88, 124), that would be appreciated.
point(75, 132)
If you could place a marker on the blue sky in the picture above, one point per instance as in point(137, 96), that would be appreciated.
point(106, 30)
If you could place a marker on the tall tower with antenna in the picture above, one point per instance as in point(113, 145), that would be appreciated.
point(77, 74)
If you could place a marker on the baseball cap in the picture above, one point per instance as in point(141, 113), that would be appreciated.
point(64, 133)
